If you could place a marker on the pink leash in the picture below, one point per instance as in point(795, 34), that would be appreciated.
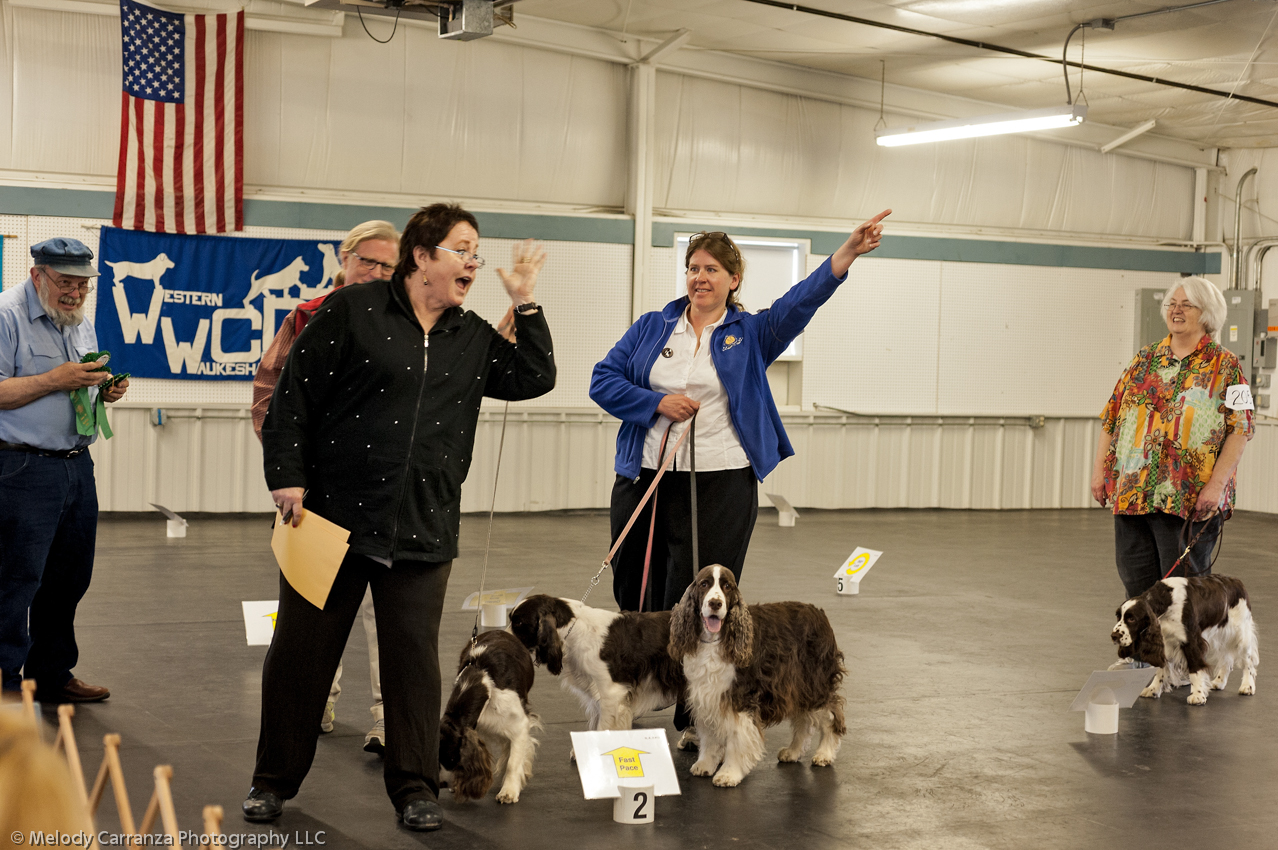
point(652, 522)
point(652, 488)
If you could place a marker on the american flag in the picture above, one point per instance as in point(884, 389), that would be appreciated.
point(182, 122)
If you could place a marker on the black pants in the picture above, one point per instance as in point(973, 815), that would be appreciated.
point(308, 644)
point(727, 506)
point(48, 525)
point(1146, 546)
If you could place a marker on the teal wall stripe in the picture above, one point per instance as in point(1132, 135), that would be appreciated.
point(72, 203)
point(80, 203)
point(1035, 254)
point(979, 251)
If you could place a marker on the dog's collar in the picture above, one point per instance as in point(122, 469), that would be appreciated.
point(716, 639)
point(571, 626)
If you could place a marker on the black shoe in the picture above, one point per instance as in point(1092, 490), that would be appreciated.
point(262, 806)
point(422, 815)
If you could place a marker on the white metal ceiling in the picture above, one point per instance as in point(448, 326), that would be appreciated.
point(1230, 46)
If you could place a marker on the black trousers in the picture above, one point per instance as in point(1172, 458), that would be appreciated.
point(308, 644)
point(727, 506)
point(48, 526)
point(1146, 546)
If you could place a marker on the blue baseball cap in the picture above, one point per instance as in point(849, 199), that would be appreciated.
point(67, 256)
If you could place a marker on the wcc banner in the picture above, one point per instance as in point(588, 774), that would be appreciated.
point(201, 307)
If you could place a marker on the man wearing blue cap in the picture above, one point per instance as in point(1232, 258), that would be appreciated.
point(48, 498)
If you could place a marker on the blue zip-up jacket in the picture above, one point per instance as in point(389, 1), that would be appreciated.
point(741, 348)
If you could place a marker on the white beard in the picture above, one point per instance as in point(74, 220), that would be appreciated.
point(58, 316)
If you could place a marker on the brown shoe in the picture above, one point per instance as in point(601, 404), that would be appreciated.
point(75, 691)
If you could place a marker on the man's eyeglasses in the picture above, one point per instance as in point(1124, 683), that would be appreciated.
point(67, 285)
point(368, 265)
point(466, 257)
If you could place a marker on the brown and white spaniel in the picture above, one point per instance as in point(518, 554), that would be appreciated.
point(750, 667)
point(615, 663)
point(1200, 627)
point(488, 710)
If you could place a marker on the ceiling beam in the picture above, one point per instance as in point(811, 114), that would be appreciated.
point(670, 45)
point(1128, 136)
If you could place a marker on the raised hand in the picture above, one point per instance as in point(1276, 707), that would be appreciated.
point(863, 240)
point(527, 258)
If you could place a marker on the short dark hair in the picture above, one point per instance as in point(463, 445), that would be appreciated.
point(427, 228)
point(720, 246)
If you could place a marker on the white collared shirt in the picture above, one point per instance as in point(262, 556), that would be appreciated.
point(684, 369)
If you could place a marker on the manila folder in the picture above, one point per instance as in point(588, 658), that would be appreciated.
point(310, 554)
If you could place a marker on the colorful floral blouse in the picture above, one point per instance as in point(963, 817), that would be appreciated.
point(1169, 421)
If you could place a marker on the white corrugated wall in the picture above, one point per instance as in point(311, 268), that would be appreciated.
point(207, 459)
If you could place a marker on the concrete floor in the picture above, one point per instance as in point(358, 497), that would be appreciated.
point(965, 648)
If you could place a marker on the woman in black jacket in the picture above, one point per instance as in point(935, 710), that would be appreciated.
point(373, 424)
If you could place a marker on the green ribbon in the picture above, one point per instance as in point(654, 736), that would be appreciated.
point(90, 416)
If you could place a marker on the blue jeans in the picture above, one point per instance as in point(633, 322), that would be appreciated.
point(1146, 546)
point(48, 527)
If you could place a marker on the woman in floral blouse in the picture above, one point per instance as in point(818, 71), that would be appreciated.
point(1171, 438)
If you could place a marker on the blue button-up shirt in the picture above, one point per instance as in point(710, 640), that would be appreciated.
point(31, 344)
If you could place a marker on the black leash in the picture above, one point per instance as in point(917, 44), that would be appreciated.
point(692, 478)
point(1187, 527)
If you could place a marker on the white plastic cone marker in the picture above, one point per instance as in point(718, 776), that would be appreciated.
point(493, 615)
point(1107, 691)
point(786, 514)
point(1102, 713)
point(176, 526)
point(636, 804)
point(509, 596)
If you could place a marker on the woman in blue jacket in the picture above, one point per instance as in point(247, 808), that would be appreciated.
point(705, 355)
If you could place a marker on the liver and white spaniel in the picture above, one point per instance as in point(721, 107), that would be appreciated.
point(750, 667)
point(1200, 627)
point(616, 663)
point(488, 710)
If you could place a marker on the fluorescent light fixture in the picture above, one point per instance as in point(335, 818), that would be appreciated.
point(986, 125)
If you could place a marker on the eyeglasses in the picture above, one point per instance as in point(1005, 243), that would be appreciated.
point(67, 285)
point(1183, 306)
point(368, 265)
point(466, 257)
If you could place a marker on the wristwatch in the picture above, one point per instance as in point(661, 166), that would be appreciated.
point(525, 309)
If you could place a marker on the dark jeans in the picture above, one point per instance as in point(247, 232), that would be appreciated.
point(308, 644)
point(727, 506)
point(48, 527)
point(1146, 546)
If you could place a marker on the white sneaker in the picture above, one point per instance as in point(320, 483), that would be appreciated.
point(330, 714)
point(375, 740)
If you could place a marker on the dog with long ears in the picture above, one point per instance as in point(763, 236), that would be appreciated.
point(615, 663)
point(487, 711)
point(751, 666)
point(1201, 627)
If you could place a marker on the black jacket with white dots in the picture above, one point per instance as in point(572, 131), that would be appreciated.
point(378, 420)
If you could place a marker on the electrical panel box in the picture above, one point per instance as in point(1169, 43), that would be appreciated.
point(1266, 350)
point(1239, 331)
point(1151, 327)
